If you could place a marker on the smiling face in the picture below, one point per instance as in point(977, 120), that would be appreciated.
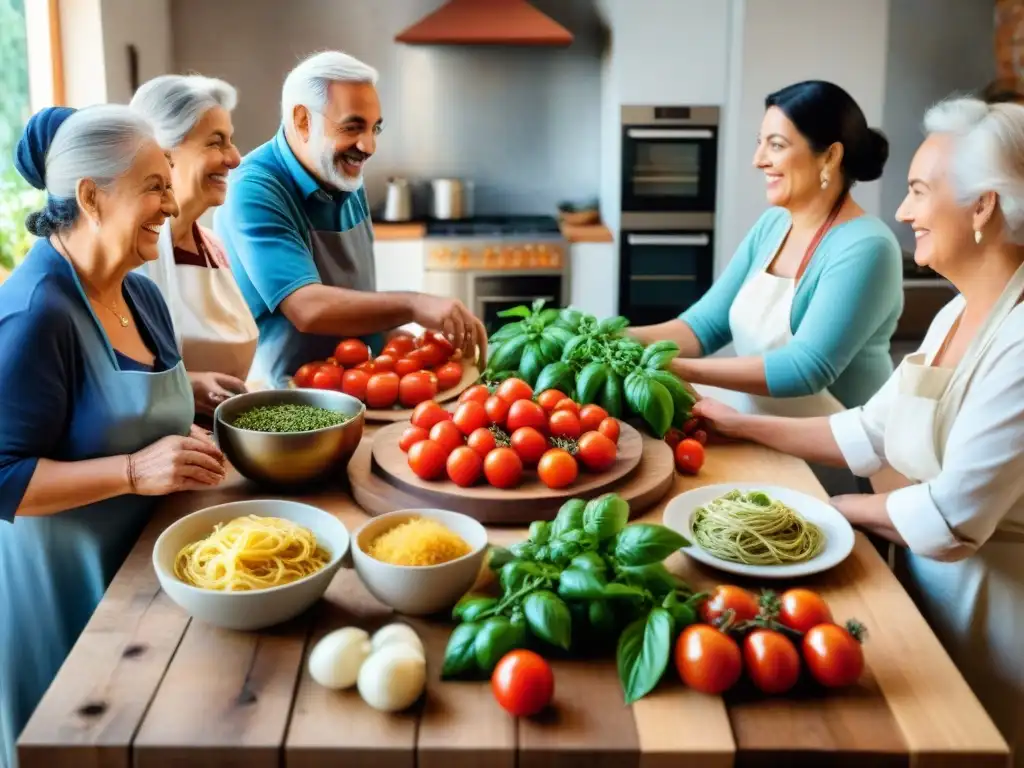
point(791, 168)
point(201, 162)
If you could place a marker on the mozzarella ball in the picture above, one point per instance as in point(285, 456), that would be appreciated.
point(401, 634)
point(393, 678)
point(335, 661)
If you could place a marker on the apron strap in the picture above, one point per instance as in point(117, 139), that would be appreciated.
point(818, 237)
point(201, 246)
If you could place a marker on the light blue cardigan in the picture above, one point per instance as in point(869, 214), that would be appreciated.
point(844, 312)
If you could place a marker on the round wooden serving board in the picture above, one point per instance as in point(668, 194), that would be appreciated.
point(381, 481)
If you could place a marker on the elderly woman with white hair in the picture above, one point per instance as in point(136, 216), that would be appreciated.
point(95, 407)
point(951, 418)
point(213, 325)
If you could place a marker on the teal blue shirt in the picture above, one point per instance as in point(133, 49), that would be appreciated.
point(845, 308)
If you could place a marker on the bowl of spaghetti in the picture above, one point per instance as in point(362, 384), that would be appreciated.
point(247, 565)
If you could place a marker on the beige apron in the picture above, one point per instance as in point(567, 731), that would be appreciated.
point(213, 326)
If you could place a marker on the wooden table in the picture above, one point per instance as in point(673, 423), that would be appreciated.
point(146, 687)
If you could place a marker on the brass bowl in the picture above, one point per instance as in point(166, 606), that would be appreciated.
point(289, 459)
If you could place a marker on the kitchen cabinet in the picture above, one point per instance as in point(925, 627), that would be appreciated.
point(399, 264)
point(594, 278)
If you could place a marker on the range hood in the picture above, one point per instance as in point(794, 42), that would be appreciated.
point(486, 22)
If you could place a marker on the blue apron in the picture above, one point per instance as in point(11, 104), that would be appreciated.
point(55, 569)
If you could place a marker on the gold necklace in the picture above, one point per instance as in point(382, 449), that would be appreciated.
point(123, 319)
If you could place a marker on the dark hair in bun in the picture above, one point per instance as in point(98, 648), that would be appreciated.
point(58, 214)
point(826, 114)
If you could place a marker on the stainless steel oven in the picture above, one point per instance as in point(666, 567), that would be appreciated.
point(663, 272)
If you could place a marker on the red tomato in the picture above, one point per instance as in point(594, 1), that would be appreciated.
point(428, 413)
point(482, 441)
point(449, 375)
point(431, 354)
point(701, 436)
point(564, 424)
point(497, 410)
point(522, 683)
point(801, 609)
point(726, 597)
point(332, 361)
point(406, 365)
point(328, 377)
point(354, 383)
point(384, 363)
point(549, 398)
point(610, 429)
point(415, 388)
point(400, 345)
point(382, 390)
point(529, 444)
point(511, 390)
point(833, 655)
point(427, 459)
point(596, 452)
point(771, 660)
point(708, 660)
point(464, 466)
point(440, 340)
point(568, 404)
point(591, 417)
point(303, 377)
point(477, 392)
point(674, 437)
point(689, 456)
point(526, 413)
point(470, 417)
point(447, 435)
point(367, 366)
point(690, 426)
point(503, 468)
point(557, 468)
point(411, 436)
point(351, 352)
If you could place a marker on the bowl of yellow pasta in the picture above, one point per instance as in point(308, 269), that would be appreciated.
point(247, 565)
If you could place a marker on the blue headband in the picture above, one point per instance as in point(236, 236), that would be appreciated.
point(30, 154)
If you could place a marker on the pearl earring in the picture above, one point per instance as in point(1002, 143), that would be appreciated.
point(824, 180)
point(977, 236)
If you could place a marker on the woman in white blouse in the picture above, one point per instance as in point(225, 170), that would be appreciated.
point(951, 418)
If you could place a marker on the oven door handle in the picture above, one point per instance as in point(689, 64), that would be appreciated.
point(668, 240)
point(670, 133)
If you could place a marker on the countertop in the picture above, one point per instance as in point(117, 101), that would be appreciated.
point(591, 233)
point(146, 687)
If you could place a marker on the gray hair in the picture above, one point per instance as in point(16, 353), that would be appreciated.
point(98, 143)
point(175, 103)
point(307, 84)
point(988, 154)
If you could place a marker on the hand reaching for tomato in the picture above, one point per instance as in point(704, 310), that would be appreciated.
point(459, 325)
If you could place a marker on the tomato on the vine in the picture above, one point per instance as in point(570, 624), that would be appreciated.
point(689, 456)
point(707, 659)
point(470, 417)
point(610, 429)
point(564, 424)
point(557, 468)
point(525, 413)
point(801, 609)
point(503, 468)
point(833, 655)
point(464, 466)
point(449, 375)
point(354, 383)
point(596, 452)
point(511, 390)
point(522, 683)
point(724, 598)
point(497, 410)
point(427, 459)
point(447, 435)
point(529, 444)
point(478, 392)
point(428, 413)
point(415, 388)
point(591, 417)
point(411, 436)
point(549, 398)
point(771, 660)
point(482, 441)
point(327, 377)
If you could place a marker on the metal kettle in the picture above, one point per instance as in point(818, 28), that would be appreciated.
point(398, 200)
point(452, 199)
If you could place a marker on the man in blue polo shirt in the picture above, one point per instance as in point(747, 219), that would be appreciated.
point(296, 226)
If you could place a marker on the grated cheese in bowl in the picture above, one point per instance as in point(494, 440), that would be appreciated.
point(419, 541)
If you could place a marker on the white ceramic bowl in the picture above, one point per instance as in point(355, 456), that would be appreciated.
point(254, 609)
point(420, 590)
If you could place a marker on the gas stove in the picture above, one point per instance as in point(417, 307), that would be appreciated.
point(495, 226)
point(495, 243)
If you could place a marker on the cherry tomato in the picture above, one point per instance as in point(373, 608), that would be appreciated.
point(406, 365)
point(526, 413)
point(431, 354)
point(801, 609)
point(674, 437)
point(610, 429)
point(689, 456)
point(529, 444)
point(564, 424)
point(449, 375)
point(303, 377)
point(327, 377)
point(557, 468)
point(690, 426)
point(522, 683)
point(503, 468)
point(482, 441)
point(411, 436)
point(549, 398)
point(464, 466)
point(591, 417)
point(427, 414)
point(708, 660)
point(833, 655)
point(382, 390)
point(771, 660)
point(351, 352)
point(568, 404)
point(427, 459)
point(447, 435)
point(726, 597)
point(400, 344)
point(701, 436)
point(354, 383)
point(470, 417)
point(596, 452)
point(497, 410)
point(384, 363)
point(478, 392)
point(415, 388)
point(511, 390)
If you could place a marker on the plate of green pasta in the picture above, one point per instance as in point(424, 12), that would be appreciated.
point(762, 531)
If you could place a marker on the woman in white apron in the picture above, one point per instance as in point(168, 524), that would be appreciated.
point(951, 418)
point(213, 325)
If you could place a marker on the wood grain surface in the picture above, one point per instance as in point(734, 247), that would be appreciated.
point(146, 686)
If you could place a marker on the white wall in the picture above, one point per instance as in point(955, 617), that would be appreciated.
point(82, 44)
point(147, 25)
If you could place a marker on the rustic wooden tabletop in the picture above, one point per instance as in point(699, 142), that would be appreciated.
point(147, 687)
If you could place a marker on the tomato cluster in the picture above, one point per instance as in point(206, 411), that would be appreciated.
point(407, 372)
point(495, 436)
point(778, 638)
point(687, 445)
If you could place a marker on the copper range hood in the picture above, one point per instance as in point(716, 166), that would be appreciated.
point(486, 22)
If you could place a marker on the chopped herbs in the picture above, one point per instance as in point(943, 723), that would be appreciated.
point(288, 417)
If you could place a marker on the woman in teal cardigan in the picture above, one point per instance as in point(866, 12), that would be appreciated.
point(812, 295)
